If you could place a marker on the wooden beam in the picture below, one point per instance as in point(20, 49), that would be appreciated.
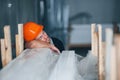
point(94, 40)
point(3, 53)
point(8, 49)
point(100, 55)
point(113, 67)
point(117, 47)
point(20, 38)
point(109, 40)
point(17, 45)
point(96, 45)
point(103, 51)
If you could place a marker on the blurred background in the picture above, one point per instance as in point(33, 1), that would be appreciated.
point(67, 20)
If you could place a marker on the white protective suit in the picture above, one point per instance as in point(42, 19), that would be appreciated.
point(43, 64)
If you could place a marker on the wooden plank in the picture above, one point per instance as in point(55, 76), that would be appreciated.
point(113, 67)
point(109, 40)
point(8, 44)
point(93, 39)
point(17, 45)
point(100, 55)
point(3, 53)
point(21, 39)
point(103, 51)
point(117, 47)
point(96, 44)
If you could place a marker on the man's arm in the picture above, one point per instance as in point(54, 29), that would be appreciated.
point(41, 44)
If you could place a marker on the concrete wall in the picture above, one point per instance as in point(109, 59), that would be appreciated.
point(101, 11)
point(81, 33)
point(16, 11)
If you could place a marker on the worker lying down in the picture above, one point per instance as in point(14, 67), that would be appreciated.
point(45, 64)
point(43, 60)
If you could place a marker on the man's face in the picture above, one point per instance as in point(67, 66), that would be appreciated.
point(43, 36)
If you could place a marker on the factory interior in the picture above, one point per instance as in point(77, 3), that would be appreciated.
point(83, 26)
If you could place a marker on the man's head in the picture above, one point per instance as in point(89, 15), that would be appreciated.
point(34, 31)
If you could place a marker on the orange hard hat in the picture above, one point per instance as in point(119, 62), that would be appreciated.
point(31, 30)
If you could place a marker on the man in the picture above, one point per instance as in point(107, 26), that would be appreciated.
point(36, 37)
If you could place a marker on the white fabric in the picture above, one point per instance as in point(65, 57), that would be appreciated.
point(43, 64)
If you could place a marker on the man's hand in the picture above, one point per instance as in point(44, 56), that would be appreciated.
point(41, 44)
point(37, 44)
point(55, 49)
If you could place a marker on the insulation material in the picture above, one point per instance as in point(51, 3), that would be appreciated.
point(66, 68)
point(88, 67)
point(43, 64)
